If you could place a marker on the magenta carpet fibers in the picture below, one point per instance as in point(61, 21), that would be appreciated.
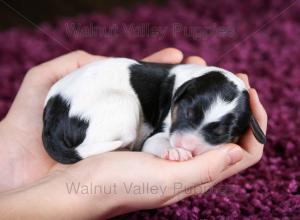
point(258, 37)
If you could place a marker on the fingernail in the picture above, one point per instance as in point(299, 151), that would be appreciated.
point(235, 155)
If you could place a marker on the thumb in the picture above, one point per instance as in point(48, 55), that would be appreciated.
point(206, 167)
point(198, 175)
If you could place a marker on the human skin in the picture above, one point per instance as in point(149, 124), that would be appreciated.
point(33, 186)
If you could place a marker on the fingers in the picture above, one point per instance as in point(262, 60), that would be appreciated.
point(203, 169)
point(248, 141)
point(258, 110)
point(168, 55)
point(57, 68)
point(69, 62)
point(252, 149)
point(244, 78)
point(195, 60)
point(51, 71)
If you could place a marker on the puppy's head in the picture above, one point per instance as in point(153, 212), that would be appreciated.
point(211, 110)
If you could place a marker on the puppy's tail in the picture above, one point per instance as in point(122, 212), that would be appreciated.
point(60, 151)
point(61, 133)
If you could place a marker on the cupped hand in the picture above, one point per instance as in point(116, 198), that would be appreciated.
point(22, 155)
point(25, 162)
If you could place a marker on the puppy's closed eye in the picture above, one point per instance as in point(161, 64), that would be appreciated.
point(216, 128)
point(190, 113)
point(193, 114)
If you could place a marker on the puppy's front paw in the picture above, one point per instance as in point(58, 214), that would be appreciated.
point(176, 154)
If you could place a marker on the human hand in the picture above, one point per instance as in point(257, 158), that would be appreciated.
point(196, 175)
point(22, 155)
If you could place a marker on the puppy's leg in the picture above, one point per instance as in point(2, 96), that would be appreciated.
point(156, 144)
point(113, 123)
point(159, 145)
point(85, 151)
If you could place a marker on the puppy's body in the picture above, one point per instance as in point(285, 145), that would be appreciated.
point(121, 103)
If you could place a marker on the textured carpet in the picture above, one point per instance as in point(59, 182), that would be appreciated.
point(256, 37)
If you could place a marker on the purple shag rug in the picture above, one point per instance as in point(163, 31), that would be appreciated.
point(257, 37)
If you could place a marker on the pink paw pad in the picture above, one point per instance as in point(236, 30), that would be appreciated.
point(176, 154)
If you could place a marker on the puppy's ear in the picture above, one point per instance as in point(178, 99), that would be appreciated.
point(256, 130)
point(181, 90)
point(258, 133)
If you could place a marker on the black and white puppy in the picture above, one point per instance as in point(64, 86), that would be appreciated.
point(172, 111)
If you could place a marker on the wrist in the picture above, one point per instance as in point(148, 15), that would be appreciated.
point(86, 195)
point(50, 199)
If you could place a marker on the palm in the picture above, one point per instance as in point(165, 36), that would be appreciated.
point(24, 129)
point(25, 157)
point(22, 156)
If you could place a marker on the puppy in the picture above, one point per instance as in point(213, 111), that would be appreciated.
point(172, 111)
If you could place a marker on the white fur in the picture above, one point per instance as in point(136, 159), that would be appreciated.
point(109, 103)
point(157, 144)
point(186, 72)
point(218, 109)
point(96, 148)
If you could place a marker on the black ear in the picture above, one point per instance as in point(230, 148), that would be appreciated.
point(181, 90)
point(258, 133)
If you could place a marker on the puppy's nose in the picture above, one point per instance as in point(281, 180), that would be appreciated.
point(189, 142)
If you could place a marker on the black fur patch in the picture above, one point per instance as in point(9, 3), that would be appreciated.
point(153, 87)
point(61, 133)
point(231, 125)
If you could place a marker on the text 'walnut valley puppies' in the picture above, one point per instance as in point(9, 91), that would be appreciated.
point(172, 111)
